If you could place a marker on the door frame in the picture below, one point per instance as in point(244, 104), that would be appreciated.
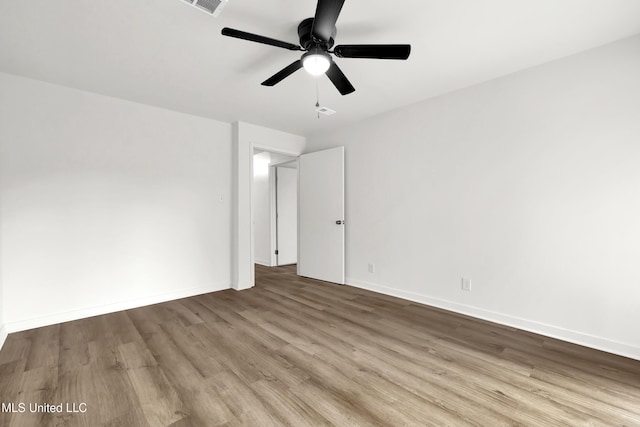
point(245, 137)
point(273, 213)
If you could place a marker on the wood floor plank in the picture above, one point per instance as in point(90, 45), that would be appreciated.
point(9, 395)
point(287, 406)
point(16, 348)
point(196, 351)
point(74, 347)
point(334, 407)
point(44, 350)
point(217, 336)
point(38, 386)
point(242, 400)
point(201, 403)
point(158, 400)
point(296, 351)
point(332, 338)
point(362, 402)
point(78, 385)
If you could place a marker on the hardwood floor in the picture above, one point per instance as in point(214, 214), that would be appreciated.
point(299, 352)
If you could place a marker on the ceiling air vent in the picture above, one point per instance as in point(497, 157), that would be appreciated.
point(326, 111)
point(212, 7)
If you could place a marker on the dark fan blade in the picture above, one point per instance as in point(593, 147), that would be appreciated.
point(258, 39)
point(374, 51)
point(282, 74)
point(324, 22)
point(339, 80)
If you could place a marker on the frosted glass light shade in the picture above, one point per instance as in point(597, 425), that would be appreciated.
point(316, 63)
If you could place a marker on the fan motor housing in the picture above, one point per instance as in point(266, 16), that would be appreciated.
point(307, 41)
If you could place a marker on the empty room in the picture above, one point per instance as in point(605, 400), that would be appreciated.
point(320, 213)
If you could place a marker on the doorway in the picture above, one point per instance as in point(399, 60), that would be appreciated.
point(274, 209)
point(320, 234)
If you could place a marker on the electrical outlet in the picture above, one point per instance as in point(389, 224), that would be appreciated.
point(466, 284)
point(372, 268)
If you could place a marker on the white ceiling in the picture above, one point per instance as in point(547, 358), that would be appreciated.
point(167, 54)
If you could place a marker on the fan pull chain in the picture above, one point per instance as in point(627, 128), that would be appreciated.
point(317, 98)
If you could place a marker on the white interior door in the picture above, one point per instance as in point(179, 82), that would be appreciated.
point(321, 215)
point(286, 215)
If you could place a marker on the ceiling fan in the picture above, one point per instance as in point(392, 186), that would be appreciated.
point(316, 39)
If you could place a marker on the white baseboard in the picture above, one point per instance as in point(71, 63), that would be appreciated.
point(242, 287)
point(580, 338)
point(3, 335)
point(266, 263)
point(52, 319)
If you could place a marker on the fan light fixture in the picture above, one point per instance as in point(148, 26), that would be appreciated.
point(316, 62)
point(317, 36)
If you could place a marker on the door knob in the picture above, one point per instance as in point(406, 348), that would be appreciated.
point(340, 222)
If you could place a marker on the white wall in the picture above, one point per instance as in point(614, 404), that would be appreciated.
point(107, 204)
point(262, 208)
point(528, 184)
